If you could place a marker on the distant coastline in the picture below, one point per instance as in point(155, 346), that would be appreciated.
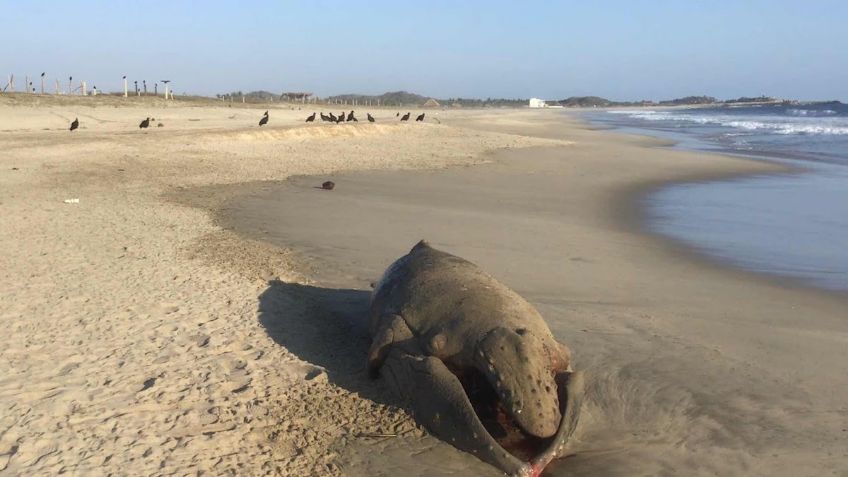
point(401, 99)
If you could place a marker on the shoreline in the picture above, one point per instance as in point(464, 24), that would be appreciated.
point(183, 345)
point(637, 217)
point(340, 266)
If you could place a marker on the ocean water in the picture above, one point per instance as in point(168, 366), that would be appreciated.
point(787, 225)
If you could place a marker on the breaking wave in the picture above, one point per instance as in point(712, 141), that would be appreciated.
point(800, 121)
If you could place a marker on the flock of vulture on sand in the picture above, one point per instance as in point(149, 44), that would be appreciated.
point(349, 117)
point(328, 118)
point(144, 124)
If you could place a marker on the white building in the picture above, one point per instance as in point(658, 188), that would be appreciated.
point(537, 103)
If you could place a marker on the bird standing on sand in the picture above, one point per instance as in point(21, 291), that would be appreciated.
point(351, 117)
point(370, 118)
point(342, 116)
point(144, 124)
point(75, 124)
point(405, 117)
point(420, 117)
point(310, 118)
point(324, 117)
point(332, 118)
point(264, 119)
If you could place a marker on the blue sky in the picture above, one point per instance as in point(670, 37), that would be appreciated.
point(617, 49)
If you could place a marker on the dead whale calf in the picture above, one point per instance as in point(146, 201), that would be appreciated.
point(474, 361)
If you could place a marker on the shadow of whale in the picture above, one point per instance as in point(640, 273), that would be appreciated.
point(326, 327)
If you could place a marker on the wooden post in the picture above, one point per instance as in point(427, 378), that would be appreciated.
point(26, 84)
point(57, 85)
point(83, 88)
point(70, 81)
point(42, 83)
point(125, 87)
point(11, 83)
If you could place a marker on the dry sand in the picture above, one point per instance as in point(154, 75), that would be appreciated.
point(143, 337)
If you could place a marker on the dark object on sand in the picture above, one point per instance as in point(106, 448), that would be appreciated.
point(144, 124)
point(351, 117)
point(405, 117)
point(370, 118)
point(332, 117)
point(310, 118)
point(329, 185)
point(160, 125)
point(420, 117)
point(75, 124)
point(397, 114)
point(341, 118)
point(264, 119)
point(474, 361)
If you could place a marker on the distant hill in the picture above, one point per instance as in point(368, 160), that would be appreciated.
point(390, 98)
point(405, 98)
point(755, 99)
point(484, 103)
point(689, 100)
point(586, 102)
point(396, 98)
point(253, 96)
point(599, 102)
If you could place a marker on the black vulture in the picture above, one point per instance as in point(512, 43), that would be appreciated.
point(351, 117)
point(75, 124)
point(264, 119)
point(144, 124)
point(332, 117)
point(310, 118)
point(370, 118)
point(420, 117)
point(405, 117)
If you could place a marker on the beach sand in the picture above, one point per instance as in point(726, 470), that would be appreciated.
point(197, 312)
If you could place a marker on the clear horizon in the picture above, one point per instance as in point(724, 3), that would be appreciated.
point(619, 50)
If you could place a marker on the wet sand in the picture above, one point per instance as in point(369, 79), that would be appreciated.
point(694, 368)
